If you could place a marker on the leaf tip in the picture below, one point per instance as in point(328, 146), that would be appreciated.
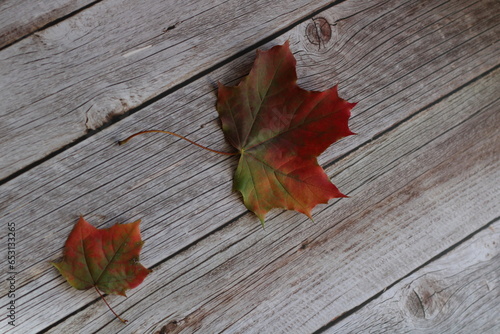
point(262, 223)
point(56, 265)
point(308, 214)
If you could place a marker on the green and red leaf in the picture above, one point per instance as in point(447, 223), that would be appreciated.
point(280, 129)
point(104, 258)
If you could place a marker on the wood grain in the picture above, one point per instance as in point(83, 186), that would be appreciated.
point(428, 177)
point(75, 76)
point(93, 75)
point(19, 18)
point(183, 195)
point(164, 179)
point(456, 293)
point(297, 275)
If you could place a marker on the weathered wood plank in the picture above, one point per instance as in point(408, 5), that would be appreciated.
point(429, 174)
point(174, 187)
point(19, 18)
point(114, 56)
point(457, 293)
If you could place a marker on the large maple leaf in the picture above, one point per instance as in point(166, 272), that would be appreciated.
point(280, 129)
point(106, 259)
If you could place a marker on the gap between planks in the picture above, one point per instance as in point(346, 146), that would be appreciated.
point(26, 19)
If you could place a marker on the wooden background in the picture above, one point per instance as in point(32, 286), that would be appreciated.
point(414, 249)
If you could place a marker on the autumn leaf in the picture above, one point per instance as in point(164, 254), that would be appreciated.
point(280, 129)
point(106, 259)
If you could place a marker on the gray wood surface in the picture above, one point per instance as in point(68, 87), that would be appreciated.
point(19, 18)
point(456, 293)
point(421, 175)
point(75, 76)
point(297, 275)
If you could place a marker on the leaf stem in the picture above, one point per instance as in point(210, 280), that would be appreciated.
point(116, 315)
point(122, 142)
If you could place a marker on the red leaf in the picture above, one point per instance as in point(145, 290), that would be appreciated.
point(106, 259)
point(280, 129)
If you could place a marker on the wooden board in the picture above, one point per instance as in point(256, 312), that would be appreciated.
point(75, 76)
point(19, 18)
point(456, 293)
point(296, 275)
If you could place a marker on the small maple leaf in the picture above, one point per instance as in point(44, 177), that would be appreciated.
point(280, 129)
point(106, 259)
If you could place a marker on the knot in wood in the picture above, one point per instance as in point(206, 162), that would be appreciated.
point(168, 328)
point(319, 32)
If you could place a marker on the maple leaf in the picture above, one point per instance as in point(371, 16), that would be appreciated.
point(106, 259)
point(280, 129)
